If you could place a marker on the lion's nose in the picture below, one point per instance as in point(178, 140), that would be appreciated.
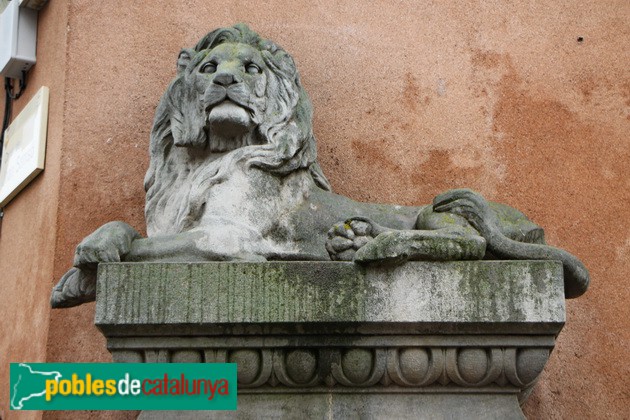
point(224, 79)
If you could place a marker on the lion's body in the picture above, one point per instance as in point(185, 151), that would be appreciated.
point(254, 212)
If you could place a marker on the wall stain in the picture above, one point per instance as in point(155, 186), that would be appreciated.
point(411, 92)
point(439, 173)
point(374, 154)
point(587, 86)
point(569, 163)
point(487, 59)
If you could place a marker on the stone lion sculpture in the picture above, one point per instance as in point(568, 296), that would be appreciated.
point(233, 175)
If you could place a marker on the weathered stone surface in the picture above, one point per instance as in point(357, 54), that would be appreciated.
point(514, 296)
point(336, 340)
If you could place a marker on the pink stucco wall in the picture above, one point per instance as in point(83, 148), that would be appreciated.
point(411, 98)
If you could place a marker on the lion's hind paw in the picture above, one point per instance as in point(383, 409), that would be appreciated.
point(346, 238)
point(468, 204)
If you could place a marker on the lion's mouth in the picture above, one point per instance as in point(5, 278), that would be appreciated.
point(230, 127)
point(229, 120)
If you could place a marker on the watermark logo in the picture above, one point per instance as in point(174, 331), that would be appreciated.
point(123, 386)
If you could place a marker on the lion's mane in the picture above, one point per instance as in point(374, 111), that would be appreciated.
point(179, 178)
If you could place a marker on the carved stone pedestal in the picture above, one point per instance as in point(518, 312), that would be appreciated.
point(336, 340)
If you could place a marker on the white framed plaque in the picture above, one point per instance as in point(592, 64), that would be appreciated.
point(24, 149)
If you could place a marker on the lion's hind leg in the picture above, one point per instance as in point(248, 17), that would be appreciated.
point(422, 245)
point(526, 241)
point(364, 241)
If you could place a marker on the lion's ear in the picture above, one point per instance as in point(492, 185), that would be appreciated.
point(183, 59)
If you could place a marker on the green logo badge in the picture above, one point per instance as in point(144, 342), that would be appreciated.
point(123, 386)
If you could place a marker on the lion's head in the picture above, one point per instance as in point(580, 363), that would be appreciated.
point(236, 100)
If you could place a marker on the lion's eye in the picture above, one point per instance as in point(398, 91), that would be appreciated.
point(252, 68)
point(208, 68)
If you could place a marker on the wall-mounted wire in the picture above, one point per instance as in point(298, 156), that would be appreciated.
point(9, 97)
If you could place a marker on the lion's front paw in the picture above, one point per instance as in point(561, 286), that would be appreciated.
point(109, 243)
point(346, 238)
point(75, 287)
point(468, 204)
